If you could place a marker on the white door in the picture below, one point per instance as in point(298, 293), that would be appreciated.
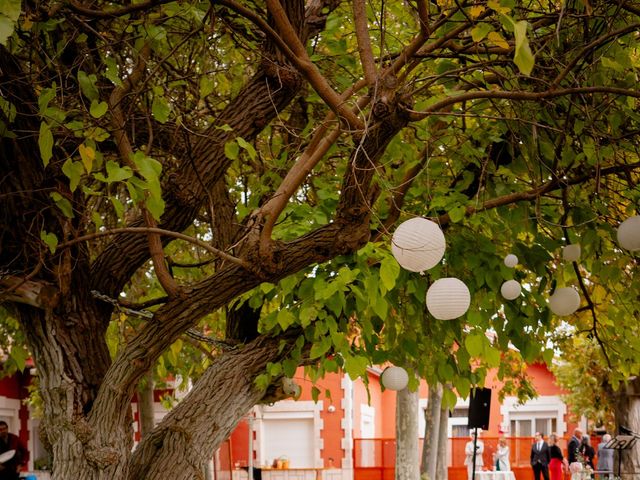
point(290, 438)
point(367, 430)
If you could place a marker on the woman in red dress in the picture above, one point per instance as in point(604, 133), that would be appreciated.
point(555, 466)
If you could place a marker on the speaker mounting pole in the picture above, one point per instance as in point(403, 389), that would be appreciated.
point(475, 441)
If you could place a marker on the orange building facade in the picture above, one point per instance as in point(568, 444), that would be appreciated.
point(351, 433)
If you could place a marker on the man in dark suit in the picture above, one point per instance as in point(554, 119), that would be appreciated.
point(540, 457)
point(574, 446)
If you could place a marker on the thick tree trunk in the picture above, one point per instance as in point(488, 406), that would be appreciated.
point(431, 433)
point(628, 415)
point(442, 468)
point(72, 358)
point(407, 458)
point(222, 396)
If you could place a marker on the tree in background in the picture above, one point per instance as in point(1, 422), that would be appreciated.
point(242, 165)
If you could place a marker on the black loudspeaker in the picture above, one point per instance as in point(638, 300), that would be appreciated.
point(479, 408)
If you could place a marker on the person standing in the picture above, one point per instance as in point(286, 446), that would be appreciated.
point(540, 457)
point(501, 456)
point(468, 452)
point(10, 470)
point(605, 458)
point(556, 458)
point(573, 449)
point(587, 452)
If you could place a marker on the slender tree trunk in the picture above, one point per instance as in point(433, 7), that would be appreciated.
point(407, 458)
point(145, 404)
point(628, 415)
point(431, 433)
point(442, 470)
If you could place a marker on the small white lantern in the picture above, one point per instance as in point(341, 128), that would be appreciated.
point(510, 289)
point(511, 260)
point(571, 253)
point(629, 234)
point(418, 244)
point(448, 298)
point(564, 301)
point(394, 378)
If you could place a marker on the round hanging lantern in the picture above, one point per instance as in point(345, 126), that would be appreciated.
point(511, 260)
point(510, 289)
point(629, 234)
point(571, 253)
point(448, 298)
point(394, 378)
point(564, 301)
point(418, 244)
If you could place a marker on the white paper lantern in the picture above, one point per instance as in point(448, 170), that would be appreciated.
point(511, 260)
point(394, 378)
point(629, 234)
point(418, 244)
point(448, 298)
point(571, 253)
point(564, 301)
point(510, 289)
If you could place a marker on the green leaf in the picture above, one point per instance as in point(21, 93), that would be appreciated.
point(45, 143)
point(88, 85)
point(19, 355)
point(231, 150)
point(523, 57)
point(474, 345)
point(115, 173)
point(389, 272)
point(9, 14)
point(247, 146)
point(285, 318)
point(118, 207)
point(63, 204)
point(457, 214)
point(319, 348)
point(10, 9)
point(73, 171)
point(160, 109)
point(149, 168)
point(155, 205)
point(480, 31)
point(492, 357)
point(97, 110)
point(50, 240)
point(45, 97)
point(206, 86)
point(112, 71)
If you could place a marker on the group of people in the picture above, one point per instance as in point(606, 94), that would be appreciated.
point(547, 459)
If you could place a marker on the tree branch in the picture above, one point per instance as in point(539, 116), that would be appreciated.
point(591, 46)
point(364, 41)
point(119, 12)
point(159, 231)
point(304, 64)
point(519, 95)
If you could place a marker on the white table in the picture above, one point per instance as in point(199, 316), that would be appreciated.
point(495, 476)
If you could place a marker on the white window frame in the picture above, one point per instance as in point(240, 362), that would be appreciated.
point(544, 406)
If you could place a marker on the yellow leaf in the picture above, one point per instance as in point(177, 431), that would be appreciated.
point(476, 11)
point(88, 155)
point(495, 5)
point(497, 40)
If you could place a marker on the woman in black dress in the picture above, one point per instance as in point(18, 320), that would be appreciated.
point(555, 465)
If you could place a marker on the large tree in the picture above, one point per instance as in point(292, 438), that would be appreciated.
point(236, 155)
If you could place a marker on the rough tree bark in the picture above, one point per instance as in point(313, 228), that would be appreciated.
point(628, 415)
point(442, 470)
point(430, 447)
point(407, 434)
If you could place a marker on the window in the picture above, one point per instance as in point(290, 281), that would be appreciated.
point(542, 414)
